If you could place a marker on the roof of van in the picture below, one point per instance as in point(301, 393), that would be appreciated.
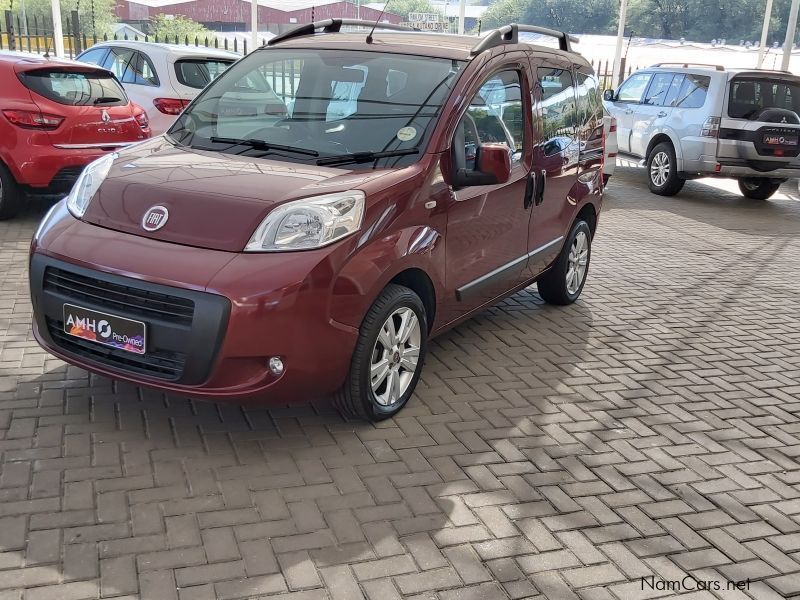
point(440, 45)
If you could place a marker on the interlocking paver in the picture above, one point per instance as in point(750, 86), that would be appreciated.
point(649, 430)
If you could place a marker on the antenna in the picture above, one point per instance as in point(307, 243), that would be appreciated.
point(369, 36)
point(47, 47)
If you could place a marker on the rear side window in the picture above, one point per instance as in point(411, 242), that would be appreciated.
point(198, 73)
point(140, 71)
point(750, 96)
point(693, 92)
point(659, 88)
point(118, 60)
point(558, 108)
point(75, 88)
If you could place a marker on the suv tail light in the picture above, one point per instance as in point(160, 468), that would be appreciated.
point(170, 106)
point(142, 120)
point(33, 119)
point(710, 127)
point(613, 127)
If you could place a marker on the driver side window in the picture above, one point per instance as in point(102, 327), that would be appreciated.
point(494, 116)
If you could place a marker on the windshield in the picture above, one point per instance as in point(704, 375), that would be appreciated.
point(748, 96)
point(198, 73)
point(321, 104)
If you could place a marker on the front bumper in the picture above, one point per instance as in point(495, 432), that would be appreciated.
point(213, 319)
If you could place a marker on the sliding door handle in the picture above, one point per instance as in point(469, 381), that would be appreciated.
point(541, 187)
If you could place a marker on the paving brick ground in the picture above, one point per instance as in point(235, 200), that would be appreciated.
point(649, 431)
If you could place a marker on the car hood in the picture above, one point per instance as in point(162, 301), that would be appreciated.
point(213, 200)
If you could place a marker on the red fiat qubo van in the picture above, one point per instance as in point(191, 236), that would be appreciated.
point(260, 255)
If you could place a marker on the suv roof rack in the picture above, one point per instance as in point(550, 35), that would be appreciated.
point(686, 65)
point(334, 26)
point(509, 34)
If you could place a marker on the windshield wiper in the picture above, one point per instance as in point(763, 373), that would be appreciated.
point(106, 100)
point(364, 157)
point(262, 145)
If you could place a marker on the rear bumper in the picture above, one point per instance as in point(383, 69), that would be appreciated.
point(49, 170)
point(712, 166)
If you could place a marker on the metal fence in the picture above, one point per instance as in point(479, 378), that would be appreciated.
point(36, 35)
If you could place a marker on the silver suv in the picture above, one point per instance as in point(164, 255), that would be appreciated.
point(699, 121)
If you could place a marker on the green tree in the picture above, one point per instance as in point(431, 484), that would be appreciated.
point(170, 27)
point(96, 17)
point(574, 16)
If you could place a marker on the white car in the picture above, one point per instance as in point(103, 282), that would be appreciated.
point(162, 78)
point(611, 149)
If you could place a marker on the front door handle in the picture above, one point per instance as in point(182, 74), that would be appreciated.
point(662, 114)
point(540, 187)
point(628, 111)
point(530, 190)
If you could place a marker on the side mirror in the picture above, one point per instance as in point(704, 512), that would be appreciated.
point(608, 95)
point(492, 166)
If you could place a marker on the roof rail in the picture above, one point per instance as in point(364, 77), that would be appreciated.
point(686, 65)
point(509, 34)
point(333, 26)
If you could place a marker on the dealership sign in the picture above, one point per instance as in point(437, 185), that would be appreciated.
point(427, 21)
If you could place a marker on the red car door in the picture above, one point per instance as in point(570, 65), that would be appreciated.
point(487, 229)
point(94, 107)
point(556, 155)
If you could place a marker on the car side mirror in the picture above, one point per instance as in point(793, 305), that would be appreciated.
point(492, 166)
point(608, 95)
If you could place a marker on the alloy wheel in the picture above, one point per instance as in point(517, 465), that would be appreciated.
point(577, 262)
point(659, 169)
point(395, 356)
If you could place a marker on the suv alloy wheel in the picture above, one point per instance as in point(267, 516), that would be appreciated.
point(662, 170)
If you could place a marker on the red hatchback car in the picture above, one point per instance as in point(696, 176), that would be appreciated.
point(56, 116)
point(254, 255)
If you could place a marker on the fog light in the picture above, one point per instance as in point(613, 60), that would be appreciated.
point(276, 365)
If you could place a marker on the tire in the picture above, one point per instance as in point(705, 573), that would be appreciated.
point(558, 285)
point(662, 170)
point(358, 397)
point(10, 194)
point(605, 179)
point(758, 188)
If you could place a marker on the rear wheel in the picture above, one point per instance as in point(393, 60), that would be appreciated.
point(563, 283)
point(10, 194)
point(387, 361)
point(758, 188)
point(662, 170)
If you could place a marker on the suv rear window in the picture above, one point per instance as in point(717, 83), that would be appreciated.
point(75, 88)
point(198, 73)
point(749, 96)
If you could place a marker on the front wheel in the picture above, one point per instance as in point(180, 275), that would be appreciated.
point(662, 171)
point(388, 358)
point(758, 188)
point(563, 283)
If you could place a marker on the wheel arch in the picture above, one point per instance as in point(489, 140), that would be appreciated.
point(412, 257)
point(663, 136)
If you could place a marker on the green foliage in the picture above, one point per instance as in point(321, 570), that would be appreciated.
point(576, 16)
point(696, 20)
point(167, 26)
point(96, 17)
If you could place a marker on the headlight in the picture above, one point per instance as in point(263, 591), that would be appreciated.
point(309, 223)
point(88, 183)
